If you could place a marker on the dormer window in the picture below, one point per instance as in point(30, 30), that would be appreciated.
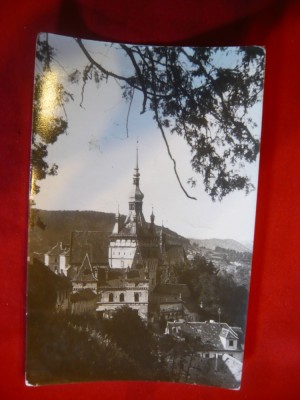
point(231, 343)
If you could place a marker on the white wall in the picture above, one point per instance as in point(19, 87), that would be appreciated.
point(121, 253)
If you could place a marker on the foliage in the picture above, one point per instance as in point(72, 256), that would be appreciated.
point(49, 118)
point(61, 351)
point(235, 256)
point(130, 333)
point(216, 291)
point(190, 93)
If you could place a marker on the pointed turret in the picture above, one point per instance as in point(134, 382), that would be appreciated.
point(136, 195)
point(85, 278)
point(152, 226)
point(152, 217)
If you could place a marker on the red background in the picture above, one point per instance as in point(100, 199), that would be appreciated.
point(272, 356)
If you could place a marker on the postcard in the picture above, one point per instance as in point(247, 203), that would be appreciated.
point(144, 170)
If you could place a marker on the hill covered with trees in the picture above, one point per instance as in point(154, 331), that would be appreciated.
point(51, 227)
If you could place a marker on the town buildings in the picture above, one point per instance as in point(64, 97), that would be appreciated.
point(133, 265)
point(125, 266)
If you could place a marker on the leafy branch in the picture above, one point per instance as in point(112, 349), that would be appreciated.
point(204, 95)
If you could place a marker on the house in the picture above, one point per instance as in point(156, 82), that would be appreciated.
point(47, 291)
point(123, 287)
point(57, 259)
point(213, 339)
point(171, 302)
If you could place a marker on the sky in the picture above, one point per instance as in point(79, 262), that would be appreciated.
point(96, 159)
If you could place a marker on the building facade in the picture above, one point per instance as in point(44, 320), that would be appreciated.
point(125, 266)
point(57, 259)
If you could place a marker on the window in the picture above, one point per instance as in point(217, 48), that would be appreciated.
point(136, 297)
point(121, 297)
point(111, 297)
point(231, 343)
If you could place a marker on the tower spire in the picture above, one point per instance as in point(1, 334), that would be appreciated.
point(136, 175)
point(152, 216)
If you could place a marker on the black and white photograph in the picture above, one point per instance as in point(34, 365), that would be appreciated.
point(144, 171)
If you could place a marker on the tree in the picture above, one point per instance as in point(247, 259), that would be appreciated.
point(49, 117)
point(130, 333)
point(191, 93)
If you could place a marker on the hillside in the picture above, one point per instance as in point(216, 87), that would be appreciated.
point(60, 224)
point(224, 243)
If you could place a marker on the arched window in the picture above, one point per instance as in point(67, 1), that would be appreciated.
point(111, 297)
point(121, 297)
point(136, 297)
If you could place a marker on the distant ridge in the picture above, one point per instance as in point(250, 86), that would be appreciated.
point(60, 223)
point(230, 244)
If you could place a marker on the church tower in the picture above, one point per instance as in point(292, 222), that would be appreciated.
point(135, 221)
point(135, 234)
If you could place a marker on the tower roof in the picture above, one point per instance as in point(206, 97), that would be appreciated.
point(135, 223)
point(136, 193)
point(85, 273)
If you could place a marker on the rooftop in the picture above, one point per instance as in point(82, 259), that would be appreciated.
point(59, 249)
point(85, 273)
point(93, 243)
point(208, 332)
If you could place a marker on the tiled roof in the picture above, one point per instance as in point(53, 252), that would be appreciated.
point(134, 273)
point(228, 334)
point(146, 256)
point(118, 278)
point(139, 229)
point(58, 250)
point(151, 263)
point(165, 289)
point(93, 243)
point(208, 332)
point(85, 273)
point(44, 274)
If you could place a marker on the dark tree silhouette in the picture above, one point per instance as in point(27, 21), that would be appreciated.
point(191, 93)
point(130, 333)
